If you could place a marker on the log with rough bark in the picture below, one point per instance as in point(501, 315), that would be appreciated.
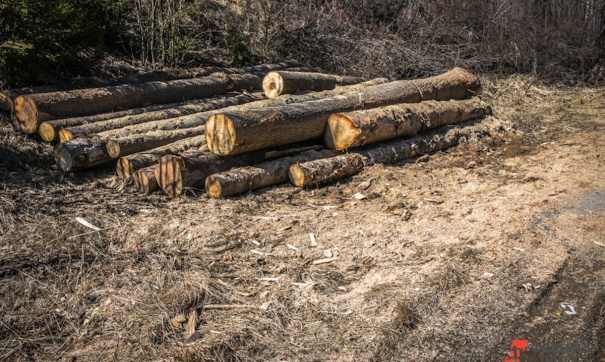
point(358, 128)
point(30, 110)
point(199, 106)
point(127, 165)
point(145, 181)
point(288, 82)
point(190, 170)
point(80, 153)
point(137, 138)
point(230, 133)
point(334, 168)
point(239, 180)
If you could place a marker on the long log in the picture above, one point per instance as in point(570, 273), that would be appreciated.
point(128, 165)
point(69, 133)
point(230, 133)
point(145, 181)
point(331, 169)
point(148, 135)
point(190, 170)
point(358, 128)
point(30, 110)
point(239, 180)
point(288, 82)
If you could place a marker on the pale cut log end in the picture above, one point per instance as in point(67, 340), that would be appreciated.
point(273, 84)
point(63, 157)
point(65, 135)
point(213, 187)
point(341, 132)
point(145, 181)
point(113, 149)
point(170, 175)
point(220, 134)
point(124, 168)
point(47, 132)
point(25, 114)
point(297, 176)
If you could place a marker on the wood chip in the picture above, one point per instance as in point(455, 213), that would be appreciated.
point(87, 224)
point(324, 261)
point(228, 306)
point(268, 279)
point(290, 246)
point(359, 196)
point(313, 240)
point(255, 242)
point(600, 244)
point(261, 253)
point(328, 253)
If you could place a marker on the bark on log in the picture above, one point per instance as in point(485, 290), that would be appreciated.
point(288, 82)
point(239, 180)
point(127, 165)
point(230, 133)
point(69, 133)
point(331, 169)
point(358, 128)
point(137, 138)
point(145, 181)
point(30, 110)
point(80, 153)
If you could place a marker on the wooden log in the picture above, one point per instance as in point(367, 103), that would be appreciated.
point(331, 169)
point(127, 165)
point(145, 181)
point(30, 110)
point(80, 153)
point(358, 128)
point(239, 180)
point(230, 133)
point(137, 138)
point(288, 82)
point(69, 133)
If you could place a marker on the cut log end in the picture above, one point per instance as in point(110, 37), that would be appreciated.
point(63, 158)
point(26, 114)
point(113, 149)
point(124, 168)
point(273, 85)
point(341, 132)
point(65, 135)
point(297, 176)
point(214, 187)
point(170, 175)
point(220, 134)
point(145, 181)
point(47, 132)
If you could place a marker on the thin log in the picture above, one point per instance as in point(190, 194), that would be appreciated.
point(80, 153)
point(145, 181)
point(31, 110)
point(288, 82)
point(69, 133)
point(358, 128)
point(230, 133)
point(127, 165)
point(239, 180)
point(331, 169)
point(137, 138)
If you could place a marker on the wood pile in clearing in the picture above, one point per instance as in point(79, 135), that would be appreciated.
point(203, 129)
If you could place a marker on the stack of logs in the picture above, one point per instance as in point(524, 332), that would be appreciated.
point(207, 128)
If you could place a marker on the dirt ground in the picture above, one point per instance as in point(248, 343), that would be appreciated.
point(452, 259)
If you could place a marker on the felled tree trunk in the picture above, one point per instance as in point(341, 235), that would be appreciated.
point(358, 128)
point(230, 133)
point(288, 82)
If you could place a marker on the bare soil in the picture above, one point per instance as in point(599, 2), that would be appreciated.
point(444, 260)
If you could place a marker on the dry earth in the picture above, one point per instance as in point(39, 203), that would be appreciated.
point(446, 260)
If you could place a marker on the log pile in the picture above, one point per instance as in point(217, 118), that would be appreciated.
point(201, 129)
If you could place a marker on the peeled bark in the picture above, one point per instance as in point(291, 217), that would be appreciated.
point(230, 133)
point(288, 82)
point(80, 153)
point(331, 169)
point(145, 181)
point(30, 110)
point(239, 180)
point(128, 165)
point(149, 135)
point(358, 128)
point(69, 133)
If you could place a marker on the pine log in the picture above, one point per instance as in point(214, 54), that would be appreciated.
point(358, 128)
point(288, 82)
point(239, 180)
point(30, 110)
point(137, 138)
point(127, 165)
point(145, 181)
point(69, 133)
point(331, 169)
point(80, 153)
point(230, 133)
